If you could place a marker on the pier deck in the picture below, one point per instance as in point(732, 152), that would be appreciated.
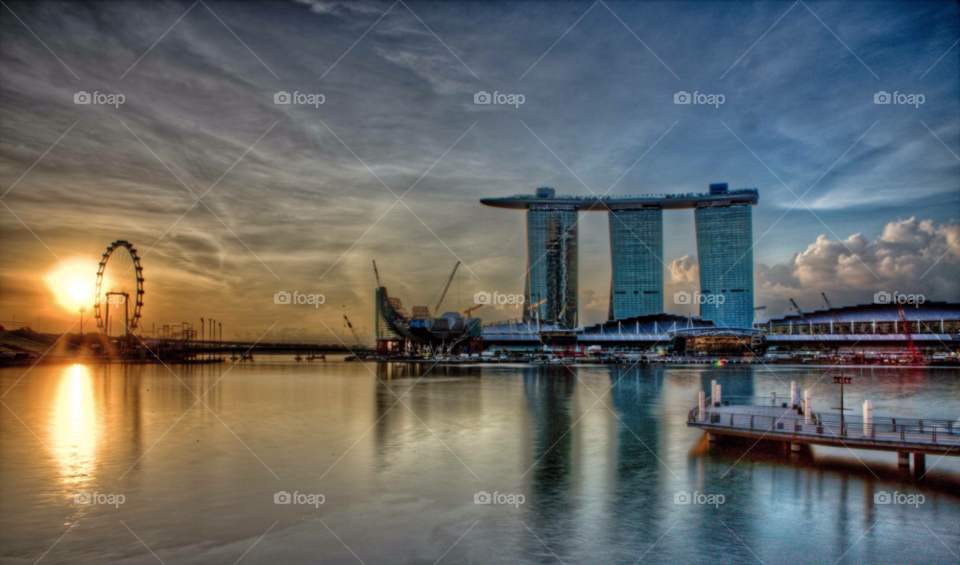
point(783, 423)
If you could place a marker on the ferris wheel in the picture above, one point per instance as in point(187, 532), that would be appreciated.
point(119, 279)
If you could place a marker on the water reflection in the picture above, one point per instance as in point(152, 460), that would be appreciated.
point(75, 429)
point(549, 391)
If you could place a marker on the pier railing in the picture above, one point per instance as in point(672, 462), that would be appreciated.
point(783, 401)
point(830, 426)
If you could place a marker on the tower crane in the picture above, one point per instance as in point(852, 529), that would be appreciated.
point(471, 310)
point(915, 356)
point(835, 317)
point(445, 288)
point(353, 330)
point(797, 308)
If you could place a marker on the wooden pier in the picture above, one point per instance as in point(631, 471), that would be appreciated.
point(790, 420)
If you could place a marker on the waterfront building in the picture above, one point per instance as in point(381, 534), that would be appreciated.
point(725, 258)
point(724, 245)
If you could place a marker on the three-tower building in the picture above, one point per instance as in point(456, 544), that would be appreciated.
point(723, 221)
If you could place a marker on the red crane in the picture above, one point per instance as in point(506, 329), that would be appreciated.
point(915, 356)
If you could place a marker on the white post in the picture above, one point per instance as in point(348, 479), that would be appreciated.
point(702, 404)
point(867, 418)
point(717, 400)
point(793, 394)
point(713, 392)
point(808, 411)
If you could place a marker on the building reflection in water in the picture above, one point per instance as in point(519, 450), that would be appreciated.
point(549, 391)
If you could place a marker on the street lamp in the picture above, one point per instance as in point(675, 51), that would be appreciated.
point(842, 380)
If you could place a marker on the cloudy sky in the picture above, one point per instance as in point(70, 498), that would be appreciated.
point(856, 197)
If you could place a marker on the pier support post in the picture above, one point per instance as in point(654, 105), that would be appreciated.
point(713, 393)
point(868, 419)
point(717, 401)
point(919, 465)
point(794, 399)
point(702, 405)
point(808, 412)
point(903, 460)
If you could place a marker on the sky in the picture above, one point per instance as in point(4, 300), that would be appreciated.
point(230, 197)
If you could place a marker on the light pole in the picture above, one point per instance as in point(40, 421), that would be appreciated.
point(82, 310)
point(841, 380)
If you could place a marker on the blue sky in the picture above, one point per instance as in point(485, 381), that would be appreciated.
point(295, 211)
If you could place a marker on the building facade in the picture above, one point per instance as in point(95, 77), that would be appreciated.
point(725, 258)
point(724, 248)
point(636, 255)
point(552, 261)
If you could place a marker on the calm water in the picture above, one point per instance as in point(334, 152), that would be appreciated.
point(598, 454)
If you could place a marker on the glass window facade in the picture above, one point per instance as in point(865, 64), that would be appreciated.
point(636, 253)
point(725, 257)
point(552, 263)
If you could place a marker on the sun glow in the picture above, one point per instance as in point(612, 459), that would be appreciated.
point(71, 283)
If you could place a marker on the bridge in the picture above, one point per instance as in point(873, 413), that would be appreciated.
point(793, 422)
point(239, 347)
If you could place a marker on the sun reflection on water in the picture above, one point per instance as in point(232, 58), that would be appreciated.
point(75, 431)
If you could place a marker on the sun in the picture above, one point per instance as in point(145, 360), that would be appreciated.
point(79, 291)
point(71, 283)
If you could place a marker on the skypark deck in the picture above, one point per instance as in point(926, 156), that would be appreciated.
point(605, 203)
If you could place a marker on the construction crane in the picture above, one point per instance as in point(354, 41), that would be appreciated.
point(445, 288)
point(835, 317)
point(532, 306)
point(353, 330)
point(376, 274)
point(915, 356)
point(797, 308)
point(471, 310)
